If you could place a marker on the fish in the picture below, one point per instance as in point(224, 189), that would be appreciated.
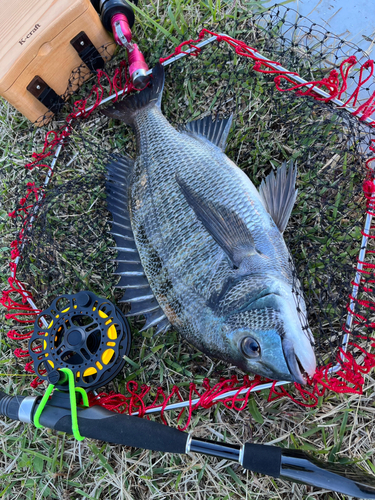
point(200, 248)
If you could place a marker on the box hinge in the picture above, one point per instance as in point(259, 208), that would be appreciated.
point(87, 51)
point(47, 96)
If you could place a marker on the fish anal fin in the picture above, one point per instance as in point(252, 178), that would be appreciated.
point(224, 225)
point(215, 132)
point(278, 194)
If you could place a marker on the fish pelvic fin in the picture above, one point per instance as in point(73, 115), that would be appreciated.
point(224, 225)
point(278, 194)
point(215, 132)
point(127, 109)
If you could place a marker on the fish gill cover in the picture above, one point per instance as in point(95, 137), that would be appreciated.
point(65, 245)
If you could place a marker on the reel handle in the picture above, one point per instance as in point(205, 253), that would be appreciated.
point(109, 8)
point(117, 16)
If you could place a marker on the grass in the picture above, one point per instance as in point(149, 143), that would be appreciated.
point(324, 233)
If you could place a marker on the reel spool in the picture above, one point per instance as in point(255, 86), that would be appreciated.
point(82, 332)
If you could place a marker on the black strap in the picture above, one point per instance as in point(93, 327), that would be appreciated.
point(87, 52)
point(43, 92)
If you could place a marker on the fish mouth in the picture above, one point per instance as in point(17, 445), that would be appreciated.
point(296, 369)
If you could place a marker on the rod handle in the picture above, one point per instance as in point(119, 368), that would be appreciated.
point(10, 405)
point(98, 423)
point(262, 458)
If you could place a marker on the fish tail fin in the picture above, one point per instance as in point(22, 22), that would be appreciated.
point(127, 110)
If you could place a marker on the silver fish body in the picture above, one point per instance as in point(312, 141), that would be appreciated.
point(214, 258)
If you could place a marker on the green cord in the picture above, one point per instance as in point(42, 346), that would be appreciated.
point(41, 406)
point(73, 403)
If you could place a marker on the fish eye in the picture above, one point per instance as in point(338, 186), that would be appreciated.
point(250, 347)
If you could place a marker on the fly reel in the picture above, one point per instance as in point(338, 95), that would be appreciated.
point(84, 333)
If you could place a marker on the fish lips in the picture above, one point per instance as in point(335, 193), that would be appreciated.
point(298, 371)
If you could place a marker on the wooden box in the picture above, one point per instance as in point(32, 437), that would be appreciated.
point(41, 43)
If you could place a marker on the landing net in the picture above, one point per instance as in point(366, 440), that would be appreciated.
point(63, 243)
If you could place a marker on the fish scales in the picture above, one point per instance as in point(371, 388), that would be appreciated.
point(158, 208)
point(202, 292)
point(161, 207)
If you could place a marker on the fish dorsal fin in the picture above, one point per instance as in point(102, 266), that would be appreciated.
point(214, 131)
point(138, 292)
point(127, 109)
point(119, 169)
point(278, 194)
point(224, 225)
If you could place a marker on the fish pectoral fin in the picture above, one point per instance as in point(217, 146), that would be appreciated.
point(215, 132)
point(278, 194)
point(223, 224)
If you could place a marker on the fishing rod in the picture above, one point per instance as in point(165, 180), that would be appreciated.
point(79, 344)
point(98, 423)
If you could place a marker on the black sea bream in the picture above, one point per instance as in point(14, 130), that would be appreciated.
point(201, 249)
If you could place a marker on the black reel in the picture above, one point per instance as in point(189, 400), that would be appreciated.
point(82, 332)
